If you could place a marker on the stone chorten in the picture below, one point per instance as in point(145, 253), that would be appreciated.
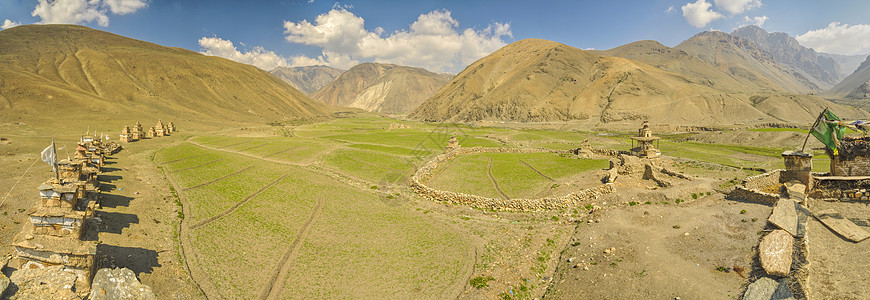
point(645, 140)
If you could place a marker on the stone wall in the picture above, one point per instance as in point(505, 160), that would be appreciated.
point(752, 187)
point(842, 190)
point(571, 200)
point(762, 181)
point(751, 195)
point(857, 166)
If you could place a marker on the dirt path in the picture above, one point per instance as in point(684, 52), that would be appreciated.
point(272, 289)
point(230, 145)
point(218, 179)
point(254, 147)
point(247, 154)
point(374, 165)
point(492, 179)
point(536, 171)
point(197, 166)
point(237, 205)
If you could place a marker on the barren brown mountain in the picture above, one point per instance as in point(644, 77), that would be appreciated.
point(744, 59)
point(384, 88)
point(538, 80)
point(84, 72)
point(854, 87)
point(307, 79)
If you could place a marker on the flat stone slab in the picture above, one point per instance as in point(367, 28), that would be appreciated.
point(766, 288)
point(784, 216)
point(796, 191)
point(775, 253)
point(842, 226)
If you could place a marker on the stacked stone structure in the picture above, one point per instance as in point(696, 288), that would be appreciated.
point(645, 139)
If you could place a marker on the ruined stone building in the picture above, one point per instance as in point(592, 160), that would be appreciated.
point(645, 143)
point(452, 144)
point(170, 128)
point(137, 133)
point(126, 136)
point(151, 133)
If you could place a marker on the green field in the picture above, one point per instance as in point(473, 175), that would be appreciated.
point(517, 175)
point(324, 208)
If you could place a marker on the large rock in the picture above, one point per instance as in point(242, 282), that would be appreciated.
point(119, 284)
point(4, 283)
point(784, 216)
point(775, 253)
point(46, 283)
point(761, 289)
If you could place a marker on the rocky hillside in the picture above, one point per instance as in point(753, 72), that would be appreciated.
point(307, 79)
point(848, 63)
point(821, 70)
point(57, 72)
point(854, 87)
point(538, 80)
point(744, 59)
point(383, 88)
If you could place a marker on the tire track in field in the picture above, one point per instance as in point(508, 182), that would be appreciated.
point(492, 180)
point(197, 166)
point(237, 205)
point(216, 180)
point(282, 151)
point(227, 146)
point(180, 159)
point(257, 146)
point(374, 165)
point(273, 287)
point(536, 170)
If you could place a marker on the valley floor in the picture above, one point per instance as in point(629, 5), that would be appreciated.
point(324, 210)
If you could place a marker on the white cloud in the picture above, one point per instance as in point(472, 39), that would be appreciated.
point(838, 38)
point(757, 21)
point(699, 14)
point(9, 24)
point(669, 10)
point(123, 7)
point(737, 6)
point(83, 11)
point(433, 41)
point(256, 56)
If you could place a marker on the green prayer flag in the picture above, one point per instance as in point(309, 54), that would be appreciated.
point(828, 131)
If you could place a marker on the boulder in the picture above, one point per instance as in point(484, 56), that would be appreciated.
point(119, 284)
point(785, 216)
point(46, 283)
point(761, 289)
point(775, 253)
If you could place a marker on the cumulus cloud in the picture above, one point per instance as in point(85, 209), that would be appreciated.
point(737, 6)
point(256, 56)
point(838, 38)
point(434, 41)
point(9, 24)
point(757, 21)
point(84, 11)
point(699, 14)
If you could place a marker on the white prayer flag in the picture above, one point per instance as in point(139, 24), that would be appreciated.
point(49, 156)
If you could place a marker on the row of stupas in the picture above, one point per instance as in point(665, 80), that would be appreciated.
point(59, 233)
point(128, 135)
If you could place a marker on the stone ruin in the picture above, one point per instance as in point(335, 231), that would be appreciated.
point(170, 128)
point(645, 140)
point(126, 136)
point(452, 144)
point(137, 133)
point(151, 133)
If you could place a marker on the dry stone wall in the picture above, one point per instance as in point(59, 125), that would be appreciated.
point(571, 200)
point(752, 186)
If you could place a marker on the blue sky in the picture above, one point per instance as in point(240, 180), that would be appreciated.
point(448, 35)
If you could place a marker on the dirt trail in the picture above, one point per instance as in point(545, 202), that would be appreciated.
point(374, 165)
point(492, 179)
point(239, 204)
point(536, 171)
point(218, 179)
point(230, 145)
point(254, 147)
point(272, 289)
point(197, 166)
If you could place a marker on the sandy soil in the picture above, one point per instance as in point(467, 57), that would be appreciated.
point(838, 267)
point(661, 251)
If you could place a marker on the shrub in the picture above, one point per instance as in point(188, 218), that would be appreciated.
point(480, 282)
point(694, 196)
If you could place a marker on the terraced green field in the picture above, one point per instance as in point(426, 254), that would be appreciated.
point(323, 211)
point(515, 175)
